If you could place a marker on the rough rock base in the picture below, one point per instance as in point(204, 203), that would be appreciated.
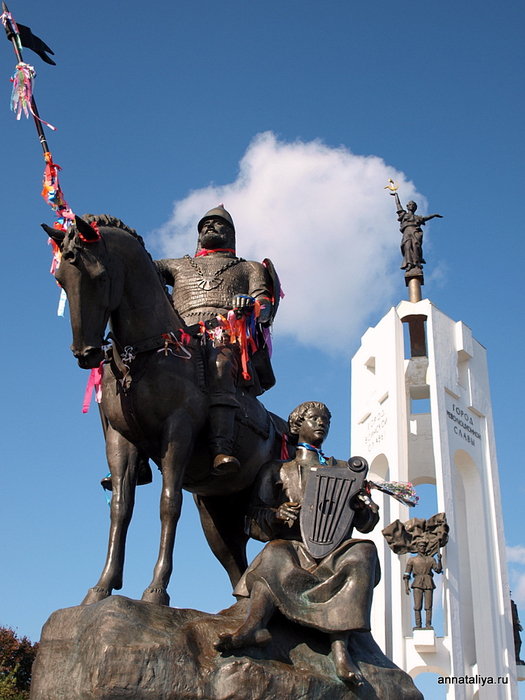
point(125, 649)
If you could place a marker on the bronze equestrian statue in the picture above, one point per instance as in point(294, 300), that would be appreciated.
point(155, 399)
point(207, 290)
point(322, 581)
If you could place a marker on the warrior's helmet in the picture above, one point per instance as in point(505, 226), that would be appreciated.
point(216, 213)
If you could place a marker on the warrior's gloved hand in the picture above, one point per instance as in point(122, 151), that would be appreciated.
point(243, 305)
point(289, 512)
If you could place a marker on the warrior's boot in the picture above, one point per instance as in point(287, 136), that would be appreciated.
point(417, 614)
point(222, 425)
point(428, 617)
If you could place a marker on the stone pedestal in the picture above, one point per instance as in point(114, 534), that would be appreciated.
point(424, 640)
point(124, 649)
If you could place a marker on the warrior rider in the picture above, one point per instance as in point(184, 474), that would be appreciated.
point(206, 288)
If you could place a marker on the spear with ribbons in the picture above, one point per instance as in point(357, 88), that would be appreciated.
point(23, 101)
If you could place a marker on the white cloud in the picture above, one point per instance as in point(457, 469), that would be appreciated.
point(323, 217)
point(516, 554)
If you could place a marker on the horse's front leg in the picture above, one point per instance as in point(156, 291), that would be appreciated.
point(177, 447)
point(123, 460)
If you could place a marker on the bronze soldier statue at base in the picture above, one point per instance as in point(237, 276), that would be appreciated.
point(423, 538)
point(421, 567)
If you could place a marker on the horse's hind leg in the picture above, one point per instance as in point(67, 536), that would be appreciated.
point(222, 519)
point(123, 460)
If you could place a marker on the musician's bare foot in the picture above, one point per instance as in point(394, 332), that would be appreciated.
point(253, 631)
point(345, 668)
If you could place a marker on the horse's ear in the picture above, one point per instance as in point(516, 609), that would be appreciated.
point(86, 232)
point(56, 234)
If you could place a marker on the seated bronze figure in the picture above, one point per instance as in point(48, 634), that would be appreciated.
point(331, 592)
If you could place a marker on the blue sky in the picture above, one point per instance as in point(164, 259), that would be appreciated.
point(160, 110)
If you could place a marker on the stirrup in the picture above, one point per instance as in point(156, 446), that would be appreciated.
point(225, 464)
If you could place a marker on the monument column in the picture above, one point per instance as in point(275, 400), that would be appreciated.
point(421, 412)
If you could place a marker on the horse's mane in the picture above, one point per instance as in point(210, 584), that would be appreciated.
point(112, 221)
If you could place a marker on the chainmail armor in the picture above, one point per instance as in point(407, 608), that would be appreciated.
point(203, 288)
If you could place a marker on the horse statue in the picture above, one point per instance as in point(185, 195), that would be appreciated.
point(154, 400)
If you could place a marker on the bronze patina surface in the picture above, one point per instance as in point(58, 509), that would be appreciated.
point(156, 393)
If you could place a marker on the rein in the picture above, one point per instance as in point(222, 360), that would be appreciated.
point(167, 343)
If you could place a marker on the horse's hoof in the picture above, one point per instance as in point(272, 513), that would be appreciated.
point(159, 596)
point(95, 594)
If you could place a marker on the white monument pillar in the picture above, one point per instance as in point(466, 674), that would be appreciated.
point(421, 412)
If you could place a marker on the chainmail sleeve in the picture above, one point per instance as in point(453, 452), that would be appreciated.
point(261, 289)
point(165, 268)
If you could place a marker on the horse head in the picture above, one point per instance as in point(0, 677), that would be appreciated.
point(93, 289)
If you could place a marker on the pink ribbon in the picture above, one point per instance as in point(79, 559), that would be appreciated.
point(21, 98)
point(94, 384)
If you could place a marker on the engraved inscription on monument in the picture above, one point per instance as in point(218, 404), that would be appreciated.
point(375, 429)
point(463, 422)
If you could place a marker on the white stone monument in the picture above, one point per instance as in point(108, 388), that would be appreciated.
point(421, 412)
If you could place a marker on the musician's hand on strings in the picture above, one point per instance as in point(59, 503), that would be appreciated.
point(289, 512)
